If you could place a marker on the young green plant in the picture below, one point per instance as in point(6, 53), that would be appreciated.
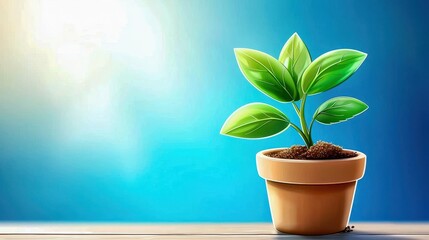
point(291, 79)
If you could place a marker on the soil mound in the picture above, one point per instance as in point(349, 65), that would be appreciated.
point(320, 150)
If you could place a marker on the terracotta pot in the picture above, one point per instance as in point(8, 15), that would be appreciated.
point(310, 197)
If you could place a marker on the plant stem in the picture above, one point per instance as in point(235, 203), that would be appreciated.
point(296, 108)
point(311, 126)
point(303, 121)
point(302, 134)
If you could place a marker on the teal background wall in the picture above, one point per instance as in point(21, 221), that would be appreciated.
point(112, 112)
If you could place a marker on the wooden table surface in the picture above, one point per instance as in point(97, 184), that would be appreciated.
point(393, 231)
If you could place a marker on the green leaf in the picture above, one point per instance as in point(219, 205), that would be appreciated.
point(255, 120)
point(267, 74)
point(330, 70)
point(296, 58)
point(339, 109)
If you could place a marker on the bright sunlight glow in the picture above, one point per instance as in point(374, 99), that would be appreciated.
point(87, 49)
point(76, 29)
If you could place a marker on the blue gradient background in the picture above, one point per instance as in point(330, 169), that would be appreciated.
point(134, 142)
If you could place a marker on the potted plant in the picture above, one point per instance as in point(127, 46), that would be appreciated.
point(310, 188)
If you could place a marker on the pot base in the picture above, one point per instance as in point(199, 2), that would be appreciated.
point(310, 209)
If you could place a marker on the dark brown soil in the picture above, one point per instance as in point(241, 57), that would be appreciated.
point(320, 150)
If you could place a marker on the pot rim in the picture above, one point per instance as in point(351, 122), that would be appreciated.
point(263, 152)
point(310, 172)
